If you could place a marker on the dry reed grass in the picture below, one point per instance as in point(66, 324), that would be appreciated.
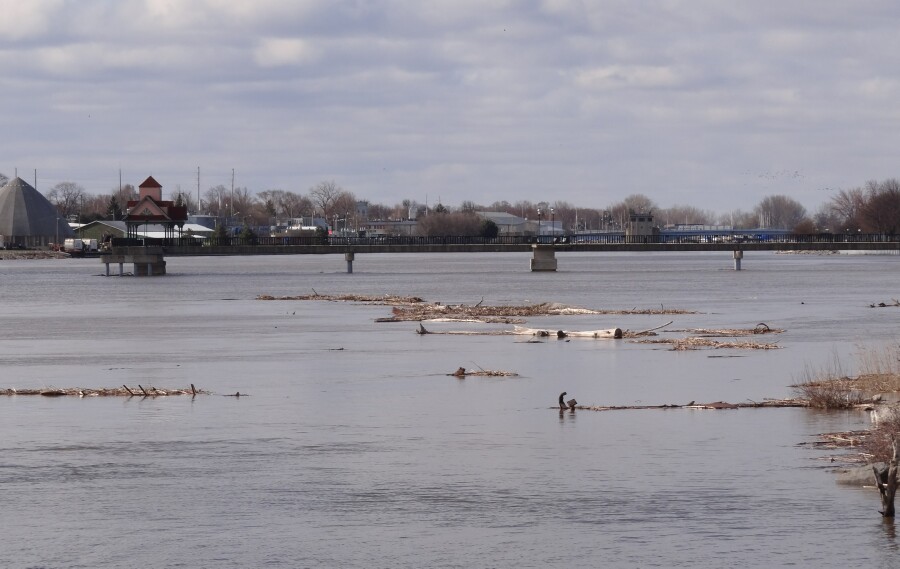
point(828, 387)
point(879, 368)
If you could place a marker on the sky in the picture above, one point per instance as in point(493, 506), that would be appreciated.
point(700, 103)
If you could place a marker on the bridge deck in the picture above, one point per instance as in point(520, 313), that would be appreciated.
point(117, 252)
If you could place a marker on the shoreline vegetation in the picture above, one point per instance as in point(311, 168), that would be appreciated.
point(877, 381)
point(21, 254)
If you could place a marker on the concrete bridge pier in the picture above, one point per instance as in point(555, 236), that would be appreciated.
point(349, 256)
point(738, 255)
point(543, 258)
point(147, 262)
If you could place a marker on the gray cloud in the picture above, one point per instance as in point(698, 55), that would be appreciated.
point(687, 102)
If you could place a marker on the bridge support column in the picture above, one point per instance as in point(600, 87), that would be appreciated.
point(348, 256)
point(543, 258)
point(738, 255)
point(147, 261)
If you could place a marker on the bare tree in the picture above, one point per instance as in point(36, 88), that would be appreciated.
point(216, 199)
point(242, 203)
point(740, 219)
point(3, 179)
point(639, 203)
point(469, 206)
point(184, 198)
point(67, 197)
point(125, 194)
point(324, 195)
point(779, 212)
point(295, 205)
point(685, 214)
point(881, 211)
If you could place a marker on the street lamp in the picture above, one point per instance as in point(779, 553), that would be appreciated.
point(552, 222)
point(539, 222)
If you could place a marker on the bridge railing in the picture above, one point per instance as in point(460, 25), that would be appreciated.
point(599, 238)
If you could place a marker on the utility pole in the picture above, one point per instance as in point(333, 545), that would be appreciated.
point(232, 193)
point(198, 190)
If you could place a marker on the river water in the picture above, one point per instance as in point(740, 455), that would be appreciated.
point(355, 449)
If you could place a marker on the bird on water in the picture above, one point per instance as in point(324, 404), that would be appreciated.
point(563, 405)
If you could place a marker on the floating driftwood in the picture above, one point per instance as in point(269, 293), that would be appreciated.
point(716, 405)
point(463, 372)
point(520, 331)
point(647, 332)
point(894, 302)
point(413, 309)
point(123, 391)
point(386, 299)
point(596, 334)
point(504, 314)
point(761, 328)
point(695, 343)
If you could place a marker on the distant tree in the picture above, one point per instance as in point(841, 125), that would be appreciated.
point(247, 234)
point(740, 219)
point(685, 214)
point(220, 234)
point(245, 204)
point(489, 229)
point(344, 205)
point(881, 211)
point(826, 219)
point(185, 199)
point(3, 179)
point(806, 227)
point(563, 213)
point(216, 199)
point(779, 212)
point(468, 206)
point(113, 209)
point(271, 210)
point(67, 197)
point(504, 206)
point(846, 206)
point(446, 224)
point(639, 203)
point(287, 205)
point(439, 208)
point(619, 213)
point(323, 196)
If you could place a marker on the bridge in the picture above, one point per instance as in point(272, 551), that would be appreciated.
point(148, 255)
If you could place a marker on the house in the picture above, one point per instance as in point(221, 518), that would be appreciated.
point(101, 230)
point(151, 209)
point(507, 223)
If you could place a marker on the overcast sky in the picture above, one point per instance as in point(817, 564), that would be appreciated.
point(706, 103)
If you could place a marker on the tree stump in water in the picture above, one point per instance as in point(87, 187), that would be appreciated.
point(887, 481)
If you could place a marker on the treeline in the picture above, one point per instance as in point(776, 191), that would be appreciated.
point(871, 208)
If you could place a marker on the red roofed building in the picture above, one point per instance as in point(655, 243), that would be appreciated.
point(150, 208)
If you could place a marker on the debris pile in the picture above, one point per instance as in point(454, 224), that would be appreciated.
point(463, 372)
point(123, 391)
point(695, 343)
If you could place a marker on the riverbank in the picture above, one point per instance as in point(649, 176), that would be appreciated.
point(15, 254)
